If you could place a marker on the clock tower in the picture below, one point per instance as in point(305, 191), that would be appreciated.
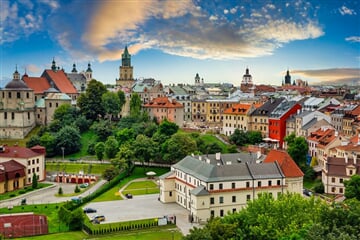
point(126, 70)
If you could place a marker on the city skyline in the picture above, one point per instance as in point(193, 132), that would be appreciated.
point(171, 41)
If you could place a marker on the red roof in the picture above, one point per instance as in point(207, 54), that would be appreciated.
point(241, 108)
point(286, 163)
point(38, 84)
point(163, 102)
point(12, 169)
point(61, 81)
point(11, 152)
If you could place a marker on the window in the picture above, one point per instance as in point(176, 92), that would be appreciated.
point(233, 185)
point(12, 116)
point(259, 183)
point(212, 213)
point(212, 200)
point(29, 162)
point(247, 184)
point(220, 186)
point(9, 95)
point(341, 180)
point(33, 161)
point(5, 115)
point(269, 183)
point(234, 210)
point(211, 186)
point(333, 189)
point(221, 199)
point(341, 190)
point(221, 213)
point(29, 171)
point(233, 198)
point(333, 180)
point(37, 169)
point(248, 197)
point(37, 160)
point(170, 194)
point(278, 182)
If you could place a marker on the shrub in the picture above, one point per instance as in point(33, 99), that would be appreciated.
point(60, 192)
point(77, 189)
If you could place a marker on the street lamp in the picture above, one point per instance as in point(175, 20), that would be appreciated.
point(62, 149)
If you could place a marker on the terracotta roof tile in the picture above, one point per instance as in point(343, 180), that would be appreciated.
point(163, 102)
point(286, 163)
point(11, 152)
point(38, 84)
point(238, 109)
point(61, 81)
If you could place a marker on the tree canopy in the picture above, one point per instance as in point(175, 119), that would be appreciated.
point(352, 187)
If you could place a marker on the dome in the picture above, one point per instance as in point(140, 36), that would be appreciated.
point(16, 84)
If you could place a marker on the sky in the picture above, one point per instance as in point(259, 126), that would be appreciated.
point(318, 41)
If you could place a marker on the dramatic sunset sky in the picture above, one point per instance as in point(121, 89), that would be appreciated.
point(172, 40)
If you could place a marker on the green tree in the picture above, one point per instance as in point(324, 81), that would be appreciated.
point(68, 138)
point(111, 147)
point(111, 103)
point(33, 141)
point(60, 191)
point(122, 99)
point(103, 130)
point(77, 189)
point(352, 187)
point(100, 150)
point(34, 183)
point(177, 147)
point(125, 135)
point(135, 105)
point(48, 141)
point(76, 220)
point(254, 137)
point(168, 128)
point(66, 114)
point(144, 149)
point(110, 173)
point(90, 102)
point(297, 149)
point(239, 138)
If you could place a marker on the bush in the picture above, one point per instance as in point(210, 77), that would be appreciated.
point(22, 191)
point(60, 192)
point(77, 189)
point(12, 195)
point(319, 187)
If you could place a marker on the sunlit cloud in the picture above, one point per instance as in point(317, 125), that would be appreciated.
point(31, 69)
point(345, 75)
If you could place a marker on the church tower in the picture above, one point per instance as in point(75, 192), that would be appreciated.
point(197, 80)
point(126, 70)
point(246, 83)
point(287, 78)
point(88, 74)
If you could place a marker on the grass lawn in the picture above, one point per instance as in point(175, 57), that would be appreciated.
point(138, 172)
point(156, 233)
point(209, 138)
point(141, 188)
point(87, 168)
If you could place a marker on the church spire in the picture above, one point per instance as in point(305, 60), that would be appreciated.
point(74, 69)
point(53, 65)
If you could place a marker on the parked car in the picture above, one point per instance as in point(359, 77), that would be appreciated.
point(98, 219)
point(84, 185)
point(128, 196)
point(307, 192)
point(89, 210)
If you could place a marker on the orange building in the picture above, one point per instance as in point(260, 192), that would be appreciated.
point(163, 108)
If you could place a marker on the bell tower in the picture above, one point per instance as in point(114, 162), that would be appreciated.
point(126, 78)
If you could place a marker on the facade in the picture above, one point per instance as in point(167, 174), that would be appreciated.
point(33, 160)
point(80, 79)
point(278, 118)
point(17, 109)
point(260, 116)
point(148, 89)
point(238, 117)
point(12, 176)
point(164, 108)
point(213, 185)
point(246, 83)
point(126, 71)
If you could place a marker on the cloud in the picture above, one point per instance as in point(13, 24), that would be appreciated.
point(353, 39)
point(346, 11)
point(32, 69)
point(330, 75)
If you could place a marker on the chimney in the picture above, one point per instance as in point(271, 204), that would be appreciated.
point(346, 158)
point(218, 156)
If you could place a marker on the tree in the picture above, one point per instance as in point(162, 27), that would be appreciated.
point(100, 150)
point(48, 141)
point(123, 158)
point(111, 147)
point(33, 141)
point(77, 189)
point(122, 99)
point(254, 137)
point(34, 183)
point(135, 105)
point(297, 149)
point(111, 103)
point(110, 173)
point(90, 102)
point(144, 149)
point(125, 135)
point(102, 129)
point(177, 147)
point(66, 114)
point(60, 191)
point(352, 187)
point(168, 128)
point(68, 138)
point(239, 138)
